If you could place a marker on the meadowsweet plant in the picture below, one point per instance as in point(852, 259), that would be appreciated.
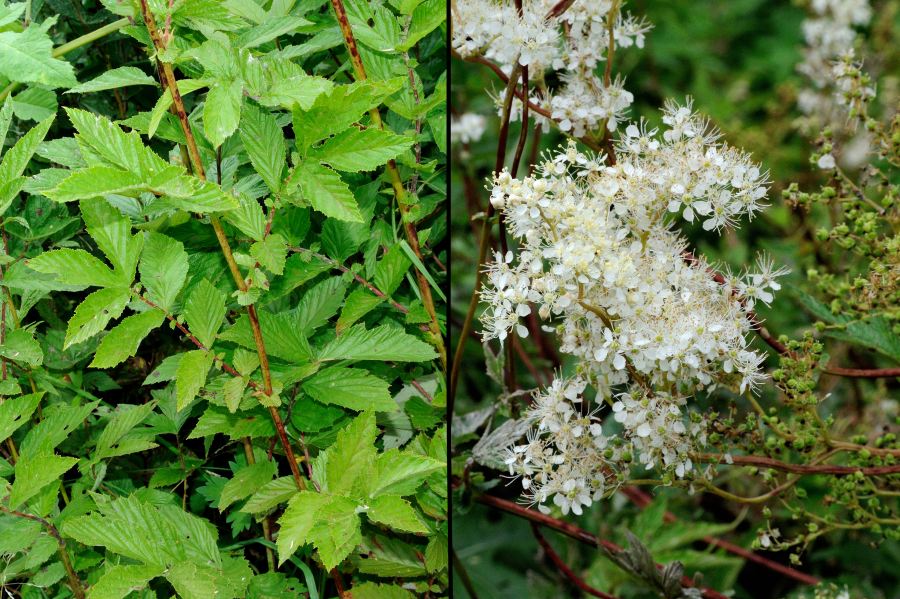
point(682, 339)
point(604, 268)
point(221, 332)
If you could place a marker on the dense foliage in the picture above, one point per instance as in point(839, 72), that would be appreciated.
point(223, 249)
point(664, 392)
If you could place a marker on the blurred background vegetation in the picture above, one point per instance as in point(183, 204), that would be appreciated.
point(738, 60)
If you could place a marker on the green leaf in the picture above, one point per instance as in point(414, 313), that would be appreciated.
point(246, 481)
point(75, 267)
point(222, 111)
point(324, 189)
point(397, 513)
point(356, 150)
point(122, 421)
point(401, 472)
point(359, 303)
point(270, 495)
point(94, 313)
point(390, 558)
point(16, 159)
point(391, 270)
point(191, 376)
point(248, 217)
point(112, 232)
point(122, 341)
point(290, 86)
point(93, 182)
point(204, 311)
point(351, 457)
point(114, 79)
point(35, 104)
point(329, 522)
point(271, 253)
point(384, 343)
point(151, 534)
point(26, 57)
point(15, 411)
point(371, 590)
point(351, 388)
point(320, 303)
point(436, 553)
point(245, 424)
point(34, 472)
point(21, 346)
point(269, 30)
point(344, 105)
point(264, 142)
point(282, 332)
point(104, 142)
point(160, 109)
point(193, 581)
point(425, 18)
point(233, 393)
point(119, 581)
point(163, 268)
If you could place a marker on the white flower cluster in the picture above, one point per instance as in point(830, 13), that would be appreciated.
point(468, 128)
point(599, 257)
point(571, 44)
point(829, 35)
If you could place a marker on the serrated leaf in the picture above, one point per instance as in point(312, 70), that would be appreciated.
point(356, 150)
point(270, 495)
point(163, 268)
point(436, 553)
point(15, 411)
point(112, 232)
point(324, 189)
point(222, 111)
point(350, 457)
point(122, 421)
point(245, 482)
point(16, 159)
point(271, 253)
point(233, 393)
point(344, 105)
point(351, 388)
point(119, 581)
point(75, 267)
point(26, 57)
point(248, 217)
point(217, 420)
point(425, 18)
point(372, 590)
point(151, 534)
point(123, 340)
point(191, 376)
point(328, 522)
point(34, 472)
point(395, 512)
point(106, 143)
point(384, 343)
point(399, 472)
point(114, 79)
point(95, 181)
point(35, 104)
point(319, 304)
point(391, 270)
point(359, 303)
point(264, 142)
point(193, 581)
point(390, 558)
point(282, 332)
point(20, 346)
point(204, 311)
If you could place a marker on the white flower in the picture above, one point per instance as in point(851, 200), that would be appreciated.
point(826, 162)
point(468, 128)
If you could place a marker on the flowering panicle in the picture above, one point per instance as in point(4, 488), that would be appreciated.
point(600, 262)
point(571, 44)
